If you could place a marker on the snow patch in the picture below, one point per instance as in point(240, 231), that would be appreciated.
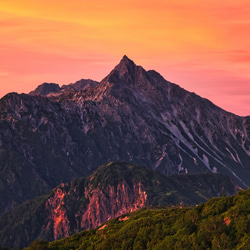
point(160, 160)
point(205, 161)
point(180, 168)
point(186, 130)
point(195, 161)
point(231, 155)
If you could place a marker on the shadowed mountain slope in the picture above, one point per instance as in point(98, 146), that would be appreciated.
point(112, 190)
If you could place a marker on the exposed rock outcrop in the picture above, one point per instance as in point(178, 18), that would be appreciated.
point(110, 203)
point(57, 220)
point(103, 205)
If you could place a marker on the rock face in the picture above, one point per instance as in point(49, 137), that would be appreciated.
point(103, 205)
point(113, 190)
point(121, 199)
point(57, 219)
point(132, 115)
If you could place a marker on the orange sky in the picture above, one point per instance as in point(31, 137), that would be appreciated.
point(201, 45)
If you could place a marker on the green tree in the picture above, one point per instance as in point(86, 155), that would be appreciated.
point(38, 244)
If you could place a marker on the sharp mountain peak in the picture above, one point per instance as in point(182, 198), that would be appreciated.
point(125, 76)
point(127, 65)
point(128, 81)
point(130, 74)
point(126, 71)
point(125, 62)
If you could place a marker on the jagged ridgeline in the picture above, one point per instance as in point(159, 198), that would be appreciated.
point(56, 134)
point(53, 89)
point(220, 223)
point(114, 189)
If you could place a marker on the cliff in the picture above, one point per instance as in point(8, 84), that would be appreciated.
point(102, 205)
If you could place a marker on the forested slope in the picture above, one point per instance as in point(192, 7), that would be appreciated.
point(220, 223)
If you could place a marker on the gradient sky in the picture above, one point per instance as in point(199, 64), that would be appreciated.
point(203, 46)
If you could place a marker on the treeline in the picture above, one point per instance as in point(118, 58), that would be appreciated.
point(220, 223)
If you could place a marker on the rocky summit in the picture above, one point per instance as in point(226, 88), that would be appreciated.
point(132, 115)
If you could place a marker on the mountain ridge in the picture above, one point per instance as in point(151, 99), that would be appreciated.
point(112, 190)
point(132, 115)
point(53, 89)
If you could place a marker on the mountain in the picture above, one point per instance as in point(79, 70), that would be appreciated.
point(53, 89)
point(132, 115)
point(81, 84)
point(112, 190)
point(46, 88)
point(220, 223)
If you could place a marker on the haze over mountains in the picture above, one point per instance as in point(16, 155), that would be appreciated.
point(132, 115)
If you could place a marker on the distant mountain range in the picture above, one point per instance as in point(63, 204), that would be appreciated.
point(56, 134)
point(112, 190)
